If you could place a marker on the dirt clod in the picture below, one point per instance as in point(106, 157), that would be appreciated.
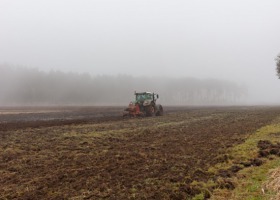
point(268, 148)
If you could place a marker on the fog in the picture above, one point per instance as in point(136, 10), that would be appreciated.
point(173, 45)
point(34, 87)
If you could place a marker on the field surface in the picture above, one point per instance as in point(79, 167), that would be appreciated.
point(93, 153)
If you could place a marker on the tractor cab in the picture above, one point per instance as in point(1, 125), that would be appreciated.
point(146, 96)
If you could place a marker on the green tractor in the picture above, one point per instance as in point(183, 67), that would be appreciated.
point(144, 105)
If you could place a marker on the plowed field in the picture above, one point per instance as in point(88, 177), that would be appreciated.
point(92, 153)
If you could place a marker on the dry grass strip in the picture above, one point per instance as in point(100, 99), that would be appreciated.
point(274, 183)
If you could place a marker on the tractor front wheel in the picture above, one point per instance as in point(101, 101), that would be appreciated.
point(159, 111)
point(150, 111)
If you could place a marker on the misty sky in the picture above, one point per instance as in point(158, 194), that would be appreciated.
point(227, 39)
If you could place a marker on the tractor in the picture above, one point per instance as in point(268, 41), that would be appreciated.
point(144, 105)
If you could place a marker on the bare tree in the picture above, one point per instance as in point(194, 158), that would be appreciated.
point(277, 59)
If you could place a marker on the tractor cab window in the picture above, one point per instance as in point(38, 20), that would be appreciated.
point(149, 96)
point(140, 97)
point(143, 97)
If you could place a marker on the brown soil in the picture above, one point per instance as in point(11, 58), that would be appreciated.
point(94, 156)
point(268, 148)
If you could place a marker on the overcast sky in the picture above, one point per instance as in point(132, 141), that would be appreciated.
point(227, 39)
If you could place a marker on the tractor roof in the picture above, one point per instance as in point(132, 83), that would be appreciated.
point(143, 93)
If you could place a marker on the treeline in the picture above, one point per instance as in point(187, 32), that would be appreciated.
point(23, 86)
